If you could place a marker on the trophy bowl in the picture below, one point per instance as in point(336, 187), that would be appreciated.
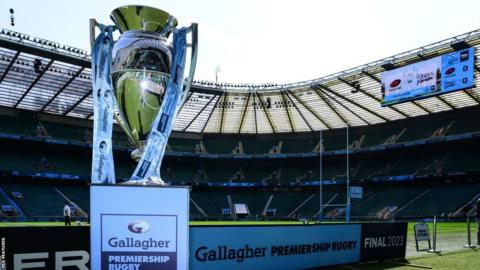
point(140, 70)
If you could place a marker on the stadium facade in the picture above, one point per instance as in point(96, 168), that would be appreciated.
point(264, 145)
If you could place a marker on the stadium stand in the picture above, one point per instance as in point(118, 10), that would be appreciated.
point(77, 194)
point(212, 203)
point(7, 209)
point(414, 160)
point(285, 202)
point(440, 125)
point(441, 200)
point(39, 202)
point(44, 201)
point(256, 201)
point(393, 197)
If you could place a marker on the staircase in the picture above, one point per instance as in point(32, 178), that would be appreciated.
point(21, 215)
point(79, 209)
point(411, 201)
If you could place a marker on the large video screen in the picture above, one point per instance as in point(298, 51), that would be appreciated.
point(443, 74)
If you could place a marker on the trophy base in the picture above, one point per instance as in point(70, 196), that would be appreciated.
point(151, 181)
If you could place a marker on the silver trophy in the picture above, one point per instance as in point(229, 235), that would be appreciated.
point(138, 67)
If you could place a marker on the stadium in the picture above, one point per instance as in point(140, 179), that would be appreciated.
point(254, 154)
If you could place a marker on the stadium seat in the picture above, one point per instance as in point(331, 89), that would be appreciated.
point(440, 200)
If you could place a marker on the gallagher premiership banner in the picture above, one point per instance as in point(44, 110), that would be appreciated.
point(211, 247)
point(443, 74)
point(294, 247)
point(139, 227)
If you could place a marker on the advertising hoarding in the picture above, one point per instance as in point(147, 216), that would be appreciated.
point(215, 247)
point(273, 247)
point(381, 241)
point(45, 248)
point(294, 246)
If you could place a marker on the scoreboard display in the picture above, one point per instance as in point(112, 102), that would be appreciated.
point(443, 74)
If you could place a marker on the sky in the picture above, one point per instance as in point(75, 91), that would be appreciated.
point(268, 41)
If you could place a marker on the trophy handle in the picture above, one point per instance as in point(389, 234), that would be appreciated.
point(193, 61)
point(93, 25)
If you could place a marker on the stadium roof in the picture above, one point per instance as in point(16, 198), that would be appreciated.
point(44, 76)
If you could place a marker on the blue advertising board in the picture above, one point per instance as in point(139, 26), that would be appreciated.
point(443, 74)
point(274, 247)
point(211, 247)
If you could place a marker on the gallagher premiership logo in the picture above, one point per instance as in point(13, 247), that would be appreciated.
point(139, 226)
point(138, 242)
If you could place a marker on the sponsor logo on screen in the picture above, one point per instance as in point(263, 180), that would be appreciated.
point(450, 71)
point(464, 56)
point(422, 78)
point(395, 83)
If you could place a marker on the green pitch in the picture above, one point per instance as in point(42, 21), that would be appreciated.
point(201, 223)
point(445, 227)
point(468, 259)
point(442, 227)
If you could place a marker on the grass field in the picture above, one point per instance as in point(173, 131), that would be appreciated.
point(451, 236)
point(442, 227)
point(468, 259)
